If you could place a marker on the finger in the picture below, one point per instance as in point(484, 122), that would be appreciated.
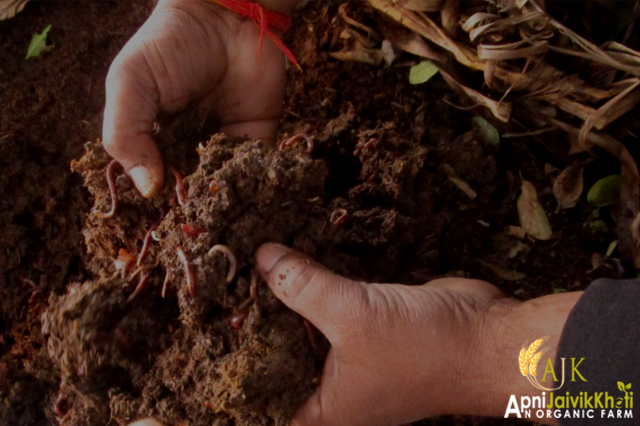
point(331, 302)
point(129, 114)
point(467, 286)
point(146, 422)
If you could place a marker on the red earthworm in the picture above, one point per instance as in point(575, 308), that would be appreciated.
point(311, 332)
point(136, 273)
point(213, 187)
point(182, 198)
point(338, 217)
point(191, 231)
point(145, 244)
point(33, 296)
point(255, 280)
point(188, 270)
point(230, 256)
point(57, 407)
point(165, 284)
point(370, 144)
point(237, 320)
point(30, 283)
point(111, 181)
point(141, 285)
point(288, 142)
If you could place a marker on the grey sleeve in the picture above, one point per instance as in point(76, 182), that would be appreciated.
point(604, 329)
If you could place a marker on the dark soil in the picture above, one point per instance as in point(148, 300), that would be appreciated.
point(220, 353)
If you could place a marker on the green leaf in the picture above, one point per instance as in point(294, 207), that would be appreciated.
point(611, 248)
point(486, 131)
point(605, 191)
point(422, 72)
point(628, 386)
point(621, 387)
point(38, 43)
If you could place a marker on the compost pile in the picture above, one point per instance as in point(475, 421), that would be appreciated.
point(115, 310)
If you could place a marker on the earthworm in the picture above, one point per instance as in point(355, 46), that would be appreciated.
point(182, 198)
point(141, 285)
point(338, 217)
point(237, 320)
point(230, 256)
point(191, 231)
point(370, 144)
point(253, 289)
point(136, 272)
point(165, 284)
point(188, 270)
point(145, 244)
point(57, 407)
point(111, 180)
point(213, 187)
point(287, 142)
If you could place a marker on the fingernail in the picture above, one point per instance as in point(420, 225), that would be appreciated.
point(143, 180)
point(268, 255)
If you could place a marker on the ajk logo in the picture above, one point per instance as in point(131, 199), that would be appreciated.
point(586, 405)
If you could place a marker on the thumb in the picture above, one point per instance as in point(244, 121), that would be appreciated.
point(130, 110)
point(329, 301)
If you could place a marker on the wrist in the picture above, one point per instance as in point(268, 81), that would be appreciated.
point(495, 375)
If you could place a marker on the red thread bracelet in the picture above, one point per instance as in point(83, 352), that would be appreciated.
point(264, 19)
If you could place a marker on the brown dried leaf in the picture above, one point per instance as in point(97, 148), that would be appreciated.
point(421, 5)
point(504, 273)
point(359, 54)
point(568, 187)
point(501, 110)
point(533, 219)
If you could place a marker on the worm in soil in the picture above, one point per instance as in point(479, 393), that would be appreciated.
point(230, 256)
point(165, 284)
point(237, 320)
point(295, 138)
point(180, 193)
point(111, 181)
point(141, 285)
point(188, 271)
point(255, 280)
point(145, 244)
point(338, 217)
point(191, 231)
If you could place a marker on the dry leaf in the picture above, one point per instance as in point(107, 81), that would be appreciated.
point(504, 273)
point(421, 5)
point(359, 54)
point(568, 187)
point(533, 219)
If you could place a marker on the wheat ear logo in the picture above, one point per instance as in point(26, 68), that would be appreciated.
point(528, 362)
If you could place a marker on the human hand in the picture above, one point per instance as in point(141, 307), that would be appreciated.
point(190, 53)
point(402, 353)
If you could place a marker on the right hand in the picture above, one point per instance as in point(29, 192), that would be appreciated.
point(189, 53)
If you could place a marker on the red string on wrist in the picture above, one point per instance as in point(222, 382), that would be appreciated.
point(264, 19)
